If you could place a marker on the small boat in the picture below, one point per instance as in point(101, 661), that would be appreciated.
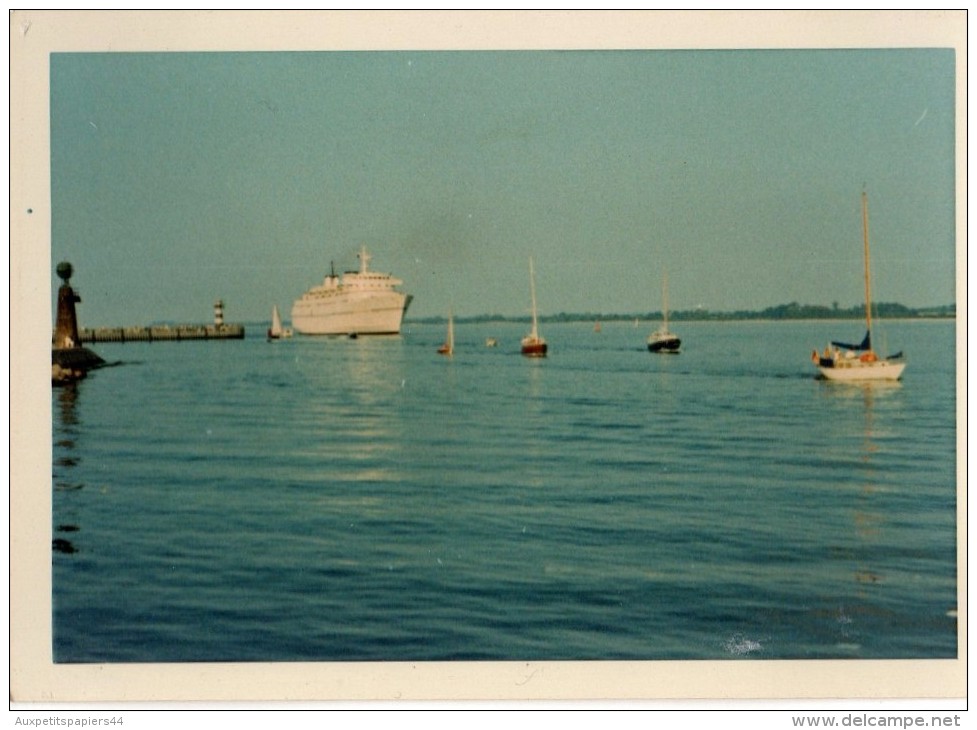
point(276, 331)
point(448, 348)
point(491, 342)
point(661, 340)
point(532, 344)
point(859, 363)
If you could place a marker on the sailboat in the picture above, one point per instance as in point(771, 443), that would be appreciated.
point(661, 340)
point(532, 344)
point(859, 363)
point(448, 348)
point(276, 331)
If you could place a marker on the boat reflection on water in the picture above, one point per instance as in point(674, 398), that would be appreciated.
point(868, 529)
point(870, 523)
point(870, 394)
point(354, 422)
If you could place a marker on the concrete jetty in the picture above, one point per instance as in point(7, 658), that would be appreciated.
point(69, 360)
point(219, 330)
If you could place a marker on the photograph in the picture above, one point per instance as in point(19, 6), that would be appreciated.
point(492, 355)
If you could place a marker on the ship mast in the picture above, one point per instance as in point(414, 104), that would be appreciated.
point(532, 289)
point(665, 301)
point(868, 288)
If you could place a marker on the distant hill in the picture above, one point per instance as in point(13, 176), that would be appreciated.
point(881, 310)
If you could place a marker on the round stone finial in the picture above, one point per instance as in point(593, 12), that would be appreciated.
point(64, 271)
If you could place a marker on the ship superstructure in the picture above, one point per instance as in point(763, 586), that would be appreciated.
point(360, 302)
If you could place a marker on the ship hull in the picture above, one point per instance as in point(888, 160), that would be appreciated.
point(374, 313)
point(858, 371)
point(667, 345)
point(534, 348)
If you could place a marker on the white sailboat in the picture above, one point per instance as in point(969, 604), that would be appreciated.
point(276, 331)
point(532, 344)
point(859, 363)
point(661, 340)
point(448, 348)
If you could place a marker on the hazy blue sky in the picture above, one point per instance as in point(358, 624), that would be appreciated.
point(178, 178)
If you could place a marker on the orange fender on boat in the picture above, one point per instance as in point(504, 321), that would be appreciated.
point(868, 357)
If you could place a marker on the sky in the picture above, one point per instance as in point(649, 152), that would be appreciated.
point(178, 178)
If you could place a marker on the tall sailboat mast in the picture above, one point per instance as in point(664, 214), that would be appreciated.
point(868, 287)
point(532, 344)
point(532, 290)
point(665, 301)
point(859, 362)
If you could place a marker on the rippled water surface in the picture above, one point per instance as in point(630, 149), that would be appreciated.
point(368, 499)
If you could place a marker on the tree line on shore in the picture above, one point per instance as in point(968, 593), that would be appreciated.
point(793, 310)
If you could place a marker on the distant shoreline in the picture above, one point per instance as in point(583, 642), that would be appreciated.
point(784, 312)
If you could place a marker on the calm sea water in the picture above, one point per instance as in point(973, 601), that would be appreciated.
point(336, 499)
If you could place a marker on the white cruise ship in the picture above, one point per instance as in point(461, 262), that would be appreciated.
point(357, 303)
